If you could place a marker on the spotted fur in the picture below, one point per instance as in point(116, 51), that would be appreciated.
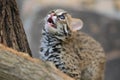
point(74, 53)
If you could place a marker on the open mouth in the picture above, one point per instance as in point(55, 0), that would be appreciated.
point(51, 22)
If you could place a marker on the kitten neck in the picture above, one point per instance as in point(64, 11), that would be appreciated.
point(59, 37)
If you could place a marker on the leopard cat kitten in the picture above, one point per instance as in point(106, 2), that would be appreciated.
point(73, 52)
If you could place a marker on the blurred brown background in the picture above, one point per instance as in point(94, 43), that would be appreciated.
point(101, 20)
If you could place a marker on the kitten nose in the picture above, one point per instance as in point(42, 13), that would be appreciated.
point(52, 14)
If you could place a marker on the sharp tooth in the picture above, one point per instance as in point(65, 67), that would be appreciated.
point(54, 19)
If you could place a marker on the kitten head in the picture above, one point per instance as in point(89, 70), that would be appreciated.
point(61, 24)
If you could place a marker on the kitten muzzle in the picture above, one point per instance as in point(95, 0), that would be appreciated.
point(51, 22)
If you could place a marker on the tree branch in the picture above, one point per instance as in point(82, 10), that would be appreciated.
point(19, 66)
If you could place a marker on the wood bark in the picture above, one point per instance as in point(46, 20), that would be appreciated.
point(11, 29)
point(19, 66)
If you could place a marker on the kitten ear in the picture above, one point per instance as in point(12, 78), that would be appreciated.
point(76, 24)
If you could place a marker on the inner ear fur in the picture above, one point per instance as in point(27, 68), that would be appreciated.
point(74, 24)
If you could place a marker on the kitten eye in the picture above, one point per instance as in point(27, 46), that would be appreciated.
point(61, 16)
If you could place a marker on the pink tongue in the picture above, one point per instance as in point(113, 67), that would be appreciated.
point(52, 25)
